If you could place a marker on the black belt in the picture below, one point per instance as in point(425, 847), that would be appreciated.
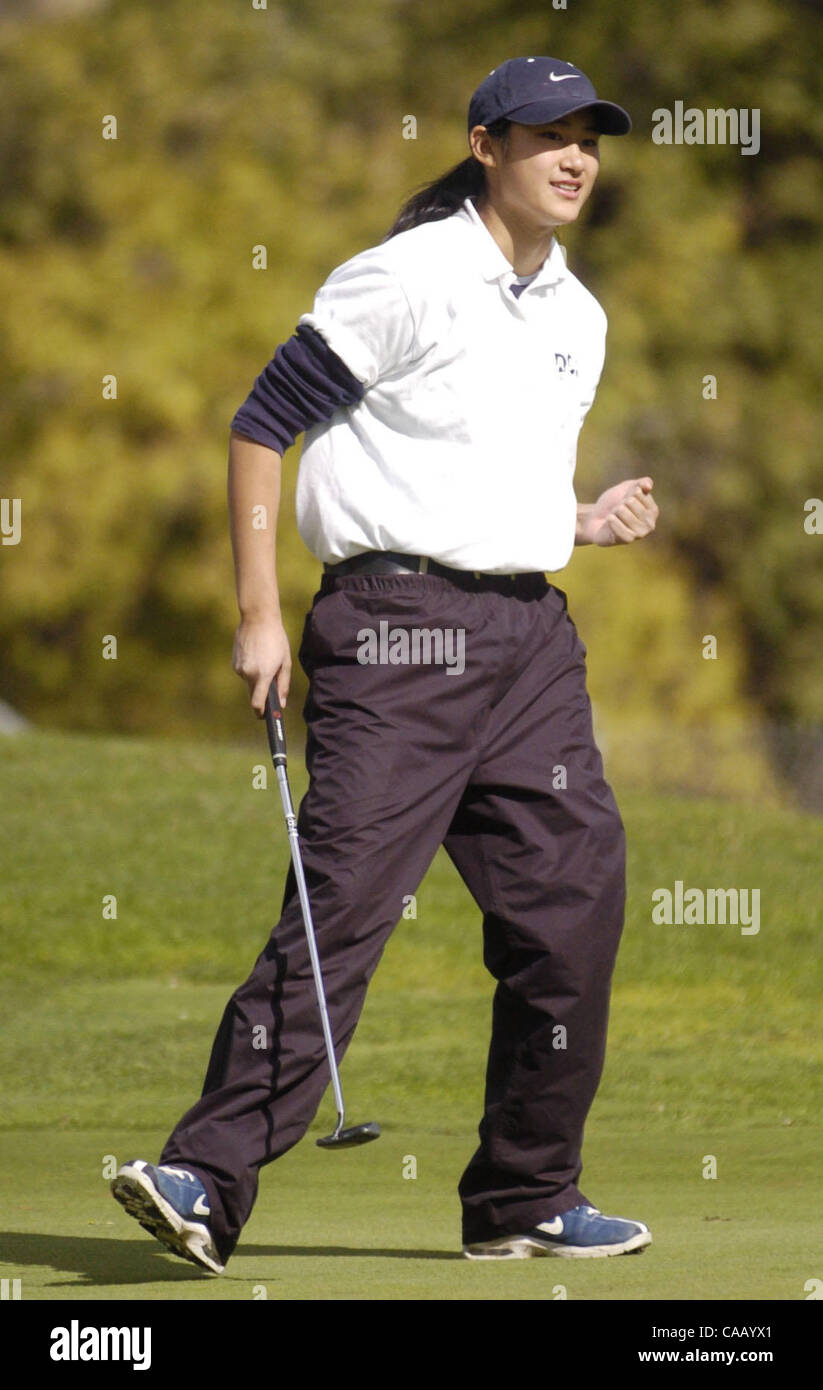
point(392, 562)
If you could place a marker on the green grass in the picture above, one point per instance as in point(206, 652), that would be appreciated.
point(349, 1226)
point(714, 1046)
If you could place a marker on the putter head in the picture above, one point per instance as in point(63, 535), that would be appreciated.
point(347, 1138)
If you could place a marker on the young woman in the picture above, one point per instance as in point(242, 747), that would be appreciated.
point(441, 381)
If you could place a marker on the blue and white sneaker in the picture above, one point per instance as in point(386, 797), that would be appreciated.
point(582, 1233)
point(167, 1202)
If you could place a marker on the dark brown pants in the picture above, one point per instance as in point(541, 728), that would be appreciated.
point(403, 757)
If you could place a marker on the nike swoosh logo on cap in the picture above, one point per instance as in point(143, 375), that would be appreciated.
point(553, 77)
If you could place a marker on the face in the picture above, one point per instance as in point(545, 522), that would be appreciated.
point(545, 173)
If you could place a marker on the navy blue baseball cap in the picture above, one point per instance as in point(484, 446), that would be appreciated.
point(534, 91)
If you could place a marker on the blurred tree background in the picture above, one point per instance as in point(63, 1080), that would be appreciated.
point(283, 126)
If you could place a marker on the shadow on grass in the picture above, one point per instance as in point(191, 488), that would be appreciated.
point(103, 1262)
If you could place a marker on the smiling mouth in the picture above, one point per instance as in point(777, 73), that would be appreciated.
point(569, 190)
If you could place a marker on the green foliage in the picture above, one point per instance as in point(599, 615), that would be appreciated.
point(282, 127)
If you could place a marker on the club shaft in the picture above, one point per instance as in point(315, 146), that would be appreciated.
point(296, 859)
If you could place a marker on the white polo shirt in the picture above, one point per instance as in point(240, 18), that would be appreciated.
point(463, 447)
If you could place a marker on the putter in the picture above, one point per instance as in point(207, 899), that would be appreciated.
point(357, 1134)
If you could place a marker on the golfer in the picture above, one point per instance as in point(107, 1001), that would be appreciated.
point(441, 381)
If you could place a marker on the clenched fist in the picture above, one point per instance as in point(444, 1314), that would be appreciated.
point(622, 514)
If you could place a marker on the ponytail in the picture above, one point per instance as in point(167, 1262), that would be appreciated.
point(445, 195)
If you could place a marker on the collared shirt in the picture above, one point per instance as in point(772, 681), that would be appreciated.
point(463, 447)
point(519, 283)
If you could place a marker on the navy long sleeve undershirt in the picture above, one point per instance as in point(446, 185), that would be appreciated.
point(304, 383)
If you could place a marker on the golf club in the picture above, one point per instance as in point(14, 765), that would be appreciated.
point(357, 1134)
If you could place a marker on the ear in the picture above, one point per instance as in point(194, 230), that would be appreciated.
point(483, 146)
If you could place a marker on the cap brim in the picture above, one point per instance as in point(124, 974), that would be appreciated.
point(611, 119)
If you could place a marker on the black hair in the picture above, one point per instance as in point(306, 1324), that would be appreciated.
point(444, 195)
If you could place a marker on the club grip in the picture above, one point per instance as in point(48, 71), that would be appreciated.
point(274, 727)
